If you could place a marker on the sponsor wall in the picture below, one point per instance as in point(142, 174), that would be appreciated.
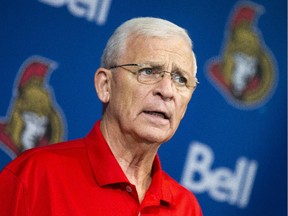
point(230, 149)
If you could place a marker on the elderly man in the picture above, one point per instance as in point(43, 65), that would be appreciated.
point(147, 78)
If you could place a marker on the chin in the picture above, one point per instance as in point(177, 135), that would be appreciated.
point(156, 137)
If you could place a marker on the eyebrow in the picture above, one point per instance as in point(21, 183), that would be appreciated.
point(176, 67)
point(154, 64)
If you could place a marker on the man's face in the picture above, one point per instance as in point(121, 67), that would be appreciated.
point(151, 112)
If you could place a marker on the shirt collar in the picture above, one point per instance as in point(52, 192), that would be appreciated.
point(105, 167)
point(107, 170)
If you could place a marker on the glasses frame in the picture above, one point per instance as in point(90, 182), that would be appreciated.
point(162, 75)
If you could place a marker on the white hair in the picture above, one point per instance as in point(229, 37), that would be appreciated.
point(142, 26)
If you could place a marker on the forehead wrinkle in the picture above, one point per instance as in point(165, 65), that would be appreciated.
point(178, 68)
point(182, 54)
point(162, 56)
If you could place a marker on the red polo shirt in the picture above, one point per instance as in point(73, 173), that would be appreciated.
point(82, 177)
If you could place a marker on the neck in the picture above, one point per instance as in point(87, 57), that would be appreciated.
point(134, 157)
point(138, 171)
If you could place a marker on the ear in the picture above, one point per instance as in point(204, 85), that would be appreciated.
point(102, 83)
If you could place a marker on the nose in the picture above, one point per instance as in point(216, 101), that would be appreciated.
point(165, 88)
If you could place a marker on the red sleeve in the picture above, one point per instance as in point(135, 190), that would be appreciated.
point(12, 195)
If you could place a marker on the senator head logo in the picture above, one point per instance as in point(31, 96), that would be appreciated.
point(245, 72)
point(34, 118)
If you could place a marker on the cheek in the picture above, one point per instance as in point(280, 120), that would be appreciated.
point(182, 106)
point(126, 97)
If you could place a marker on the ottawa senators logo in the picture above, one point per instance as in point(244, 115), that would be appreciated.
point(34, 118)
point(245, 72)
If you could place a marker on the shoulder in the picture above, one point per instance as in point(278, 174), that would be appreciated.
point(57, 149)
point(173, 184)
point(181, 195)
point(45, 157)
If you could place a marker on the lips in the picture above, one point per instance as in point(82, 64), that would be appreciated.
point(158, 113)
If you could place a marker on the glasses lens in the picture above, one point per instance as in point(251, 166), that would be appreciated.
point(179, 80)
point(149, 75)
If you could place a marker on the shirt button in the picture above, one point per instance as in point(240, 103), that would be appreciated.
point(128, 189)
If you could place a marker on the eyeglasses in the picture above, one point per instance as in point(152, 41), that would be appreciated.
point(147, 74)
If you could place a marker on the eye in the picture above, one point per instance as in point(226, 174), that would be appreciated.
point(150, 71)
point(179, 79)
point(146, 71)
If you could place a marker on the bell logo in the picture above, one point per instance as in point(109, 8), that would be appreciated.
point(93, 10)
point(222, 184)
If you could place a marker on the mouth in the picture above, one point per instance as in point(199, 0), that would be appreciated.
point(162, 115)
